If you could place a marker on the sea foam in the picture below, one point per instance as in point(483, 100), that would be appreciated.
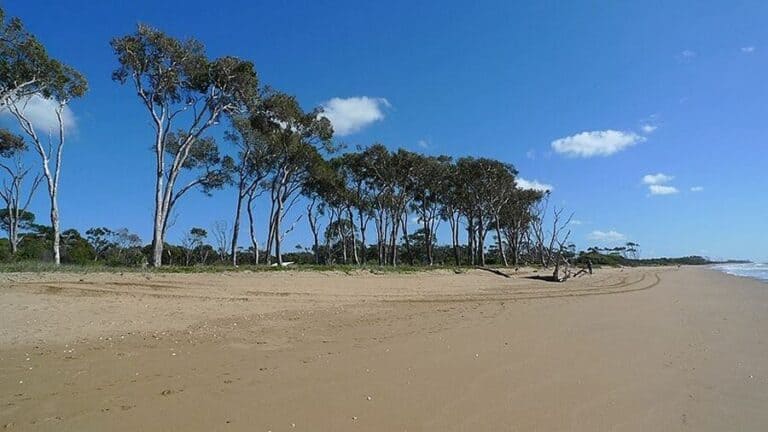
point(757, 271)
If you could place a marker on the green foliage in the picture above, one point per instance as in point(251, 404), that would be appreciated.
point(10, 143)
point(617, 260)
point(117, 247)
point(27, 69)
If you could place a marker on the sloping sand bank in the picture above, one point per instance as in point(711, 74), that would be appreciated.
point(632, 349)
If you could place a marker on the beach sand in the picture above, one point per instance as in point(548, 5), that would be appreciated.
point(650, 349)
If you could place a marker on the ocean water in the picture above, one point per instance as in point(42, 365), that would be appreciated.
point(757, 271)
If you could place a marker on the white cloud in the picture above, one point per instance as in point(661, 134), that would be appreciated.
point(533, 184)
point(657, 184)
point(697, 189)
point(576, 222)
point(656, 179)
point(41, 112)
point(352, 114)
point(423, 143)
point(611, 236)
point(596, 143)
point(748, 49)
point(662, 190)
point(648, 128)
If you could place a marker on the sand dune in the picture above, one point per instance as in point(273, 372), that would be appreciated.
point(624, 349)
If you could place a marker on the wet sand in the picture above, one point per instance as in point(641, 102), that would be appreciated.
point(625, 349)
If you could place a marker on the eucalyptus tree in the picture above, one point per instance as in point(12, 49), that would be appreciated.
point(194, 241)
point(400, 178)
point(28, 74)
point(249, 168)
point(362, 194)
point(185, 94)
point(358, 196)
point(430, 185)
point(467, 198)
point(101, 240)
point(516, 217)
point(486, 185)
point(374, 165)
point(499, 181)
point(451, 205)
point(294, 140)
point(14, 191)
point(319, 190)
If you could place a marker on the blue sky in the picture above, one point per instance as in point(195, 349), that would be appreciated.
point(589, 97)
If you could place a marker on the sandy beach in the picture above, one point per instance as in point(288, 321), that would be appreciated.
point(648, 349)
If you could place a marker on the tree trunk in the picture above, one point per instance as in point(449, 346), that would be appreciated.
point(278, 220)
point(455, 239)
point(270, 232)
point(236, 228)
point(13, 239)
point(501, 243)
point(427, 238)
point(56, 230)
point(354, 239)
point(393, 239)
point(252, 230)
point(404, 220)
point(363, 226)
point(471, 239)
point(157, 232)
point(481, 240)
point(313, 227)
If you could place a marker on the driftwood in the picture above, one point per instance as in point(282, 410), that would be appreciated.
point(581, 272)
point(494, 271)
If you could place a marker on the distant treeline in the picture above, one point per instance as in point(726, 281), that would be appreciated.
point(104, 247)
point(615, 260)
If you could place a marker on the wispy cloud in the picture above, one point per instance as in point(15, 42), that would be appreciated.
point(662, 190)
point(531, 154)
point(611, 236)
point(648, 128)
point(748, 49)
point(596, 143)
point(350, 115)
point(41, 112)
point(697, 189)
point(534, 184)
point(656, 179)
point(657, 184)
point(423, 143)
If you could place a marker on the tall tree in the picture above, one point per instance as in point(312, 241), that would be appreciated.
point(295, 139)
point(516, 218)
point(182, 89)
point(428, 190)
point(452, 195)
point(27, 73)
point(250, 168)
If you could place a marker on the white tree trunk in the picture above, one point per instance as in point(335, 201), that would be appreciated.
point(51, 177)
